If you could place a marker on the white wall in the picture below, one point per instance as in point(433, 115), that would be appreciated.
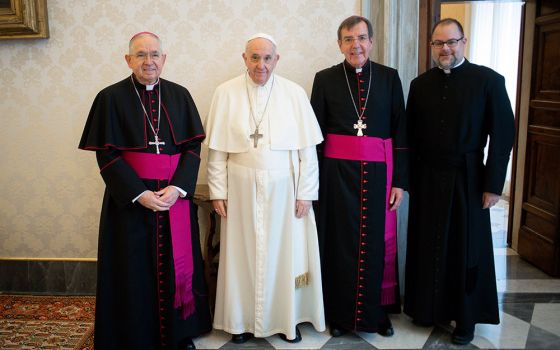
point(51, 198)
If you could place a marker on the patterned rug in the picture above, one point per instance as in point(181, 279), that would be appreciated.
point(46, 322)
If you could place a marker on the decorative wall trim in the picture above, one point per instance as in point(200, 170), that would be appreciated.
point(49, 259)
point(56, 277)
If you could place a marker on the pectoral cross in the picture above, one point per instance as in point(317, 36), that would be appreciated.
point(156, 142)
point(256, 136)
point(360, 126)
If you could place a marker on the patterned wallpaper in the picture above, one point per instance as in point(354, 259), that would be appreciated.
point(52, 192)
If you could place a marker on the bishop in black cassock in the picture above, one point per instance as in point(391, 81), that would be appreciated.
point(140, 303)
point(360, 108)
point(452, 111)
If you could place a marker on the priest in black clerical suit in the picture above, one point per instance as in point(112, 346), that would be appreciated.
point(363, 171)
point(453, 109)
point(146, 133)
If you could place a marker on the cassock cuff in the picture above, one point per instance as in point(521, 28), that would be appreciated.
point(140, 195)
point(182, 193)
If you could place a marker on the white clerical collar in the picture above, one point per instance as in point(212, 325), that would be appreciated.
point(151, 87)
point(447, 71)
point(266, 85)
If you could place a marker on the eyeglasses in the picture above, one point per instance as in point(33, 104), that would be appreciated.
point(451, 43)
point(349, 40)
point(142, 56)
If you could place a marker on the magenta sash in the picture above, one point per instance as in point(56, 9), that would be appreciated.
point(364, 148)
point(162, 167)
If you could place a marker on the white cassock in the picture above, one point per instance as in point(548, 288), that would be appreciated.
point(264, 248)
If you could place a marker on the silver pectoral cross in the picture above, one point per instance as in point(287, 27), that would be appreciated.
point(360, 126)
point(156, 142)
point(256, 136)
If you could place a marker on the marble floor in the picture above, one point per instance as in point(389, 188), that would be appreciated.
point(529, 312)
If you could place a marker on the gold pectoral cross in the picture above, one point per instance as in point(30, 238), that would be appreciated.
point(256, 136)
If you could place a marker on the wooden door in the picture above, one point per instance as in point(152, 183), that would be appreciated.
point(539, 230)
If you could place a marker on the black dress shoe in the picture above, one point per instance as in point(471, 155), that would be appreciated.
point(297, 339)
point(337, 331)
point(462, 335)
point(241, 338)
point(386, 328)
point(386, 331)
point(187, 344)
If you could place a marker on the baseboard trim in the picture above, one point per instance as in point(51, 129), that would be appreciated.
point(48, 276)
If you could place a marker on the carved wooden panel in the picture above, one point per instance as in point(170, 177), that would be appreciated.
point(543, 169)
point(548, 75)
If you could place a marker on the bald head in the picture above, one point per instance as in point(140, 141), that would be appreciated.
point(140, 35)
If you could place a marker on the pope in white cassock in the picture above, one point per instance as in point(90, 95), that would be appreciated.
point(263, 174)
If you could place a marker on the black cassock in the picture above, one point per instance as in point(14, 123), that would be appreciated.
point(351, 234)
point(450, 264)
point(135, 271)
